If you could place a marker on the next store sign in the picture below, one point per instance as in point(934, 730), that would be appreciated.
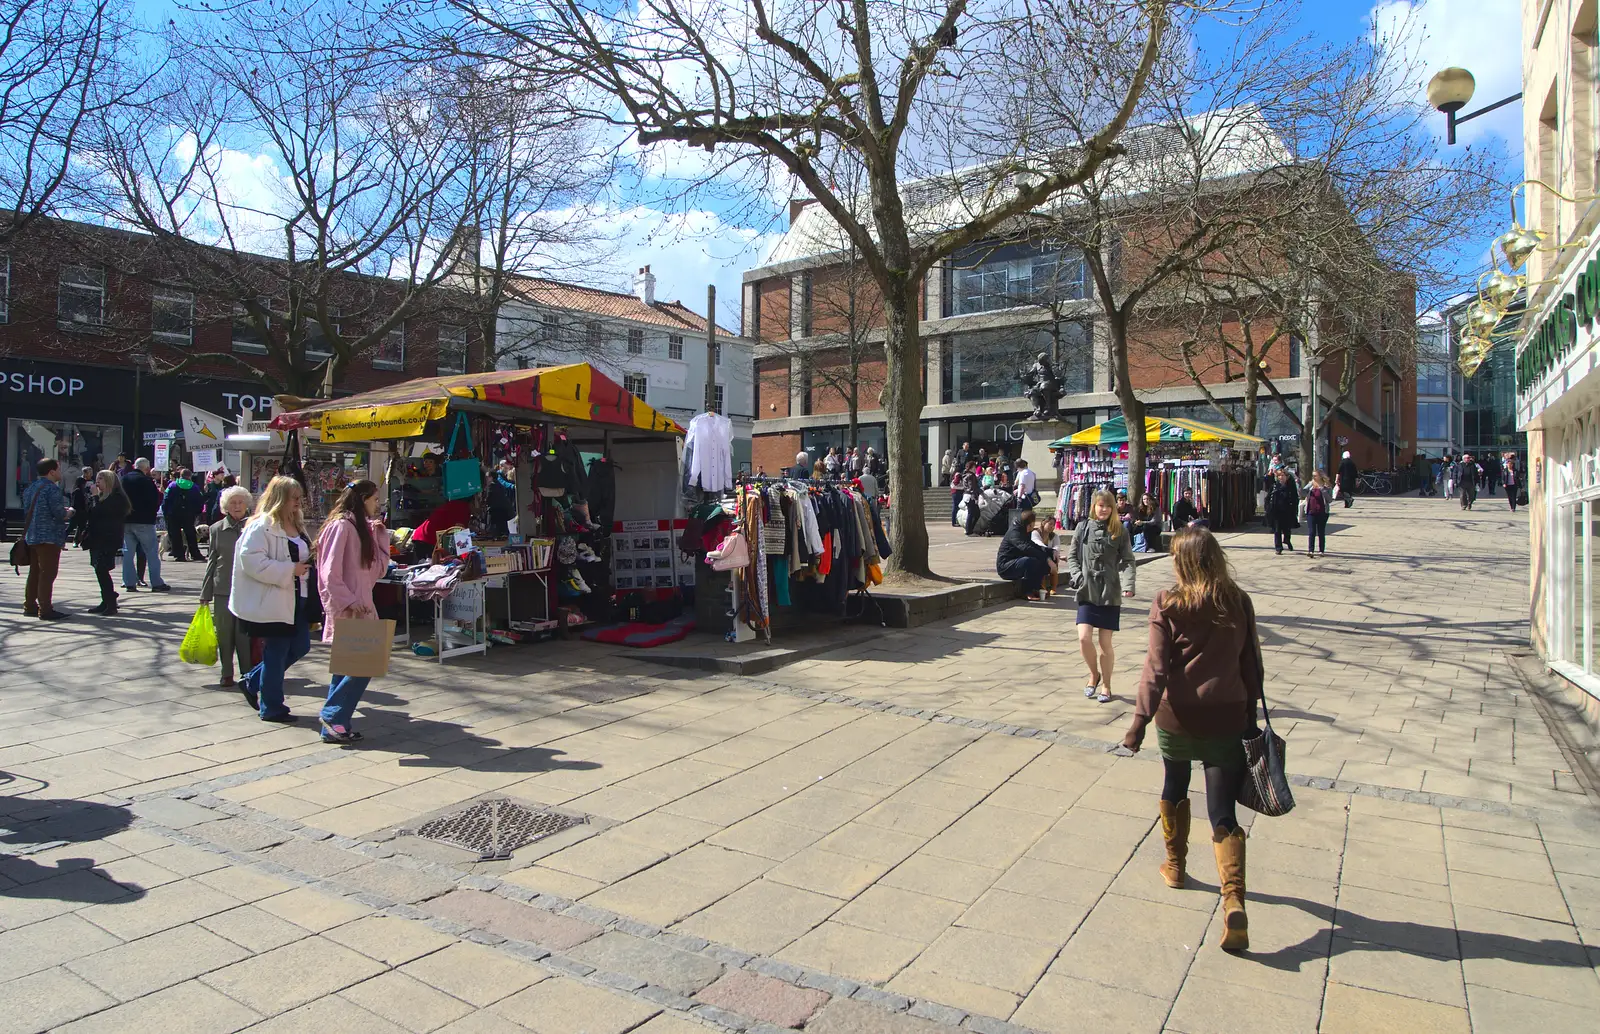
point(1556, 336)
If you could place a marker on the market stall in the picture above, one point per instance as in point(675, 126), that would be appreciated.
point(1216, 463)
point(503, 495)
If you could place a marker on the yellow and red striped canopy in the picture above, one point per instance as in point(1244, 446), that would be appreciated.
point(1156, 429)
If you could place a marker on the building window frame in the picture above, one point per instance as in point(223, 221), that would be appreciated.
point(452, 357)
point(176, 302)
point(635, 341)
point(87, 285)
point(717, 396)
point(243, 319)
point(318, 343)
point(637, 385)
point(390, 353)
point(675, 346)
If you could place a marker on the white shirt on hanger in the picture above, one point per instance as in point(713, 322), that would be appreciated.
point(711, 464)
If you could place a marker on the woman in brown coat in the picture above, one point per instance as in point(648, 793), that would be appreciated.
point(1202, 678)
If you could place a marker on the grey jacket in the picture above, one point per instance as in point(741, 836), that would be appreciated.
point(218, 580)
point(1101, 567)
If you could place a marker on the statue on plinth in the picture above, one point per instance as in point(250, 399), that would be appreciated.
point(1043, 389)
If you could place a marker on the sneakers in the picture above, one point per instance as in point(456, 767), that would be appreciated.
point(163, 587)
point(55, 615)
point(285, 718)
point(250, 696)
point(339, 734)
point(575, 585)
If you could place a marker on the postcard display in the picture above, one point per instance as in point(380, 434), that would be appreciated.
point(645, 555)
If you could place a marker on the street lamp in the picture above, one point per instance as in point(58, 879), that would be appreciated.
point(1450, 90)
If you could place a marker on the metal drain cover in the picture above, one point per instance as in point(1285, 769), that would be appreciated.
point(496, 827)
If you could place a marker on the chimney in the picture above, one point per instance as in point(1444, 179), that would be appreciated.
point(644, 285)
point(796, 205)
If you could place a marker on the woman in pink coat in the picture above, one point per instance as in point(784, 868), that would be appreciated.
point(352, 554)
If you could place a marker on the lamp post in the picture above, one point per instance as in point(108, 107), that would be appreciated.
point(1450, 90)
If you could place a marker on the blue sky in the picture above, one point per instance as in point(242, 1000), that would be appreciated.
point(714, 240)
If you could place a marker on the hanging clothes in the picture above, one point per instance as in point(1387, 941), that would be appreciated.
point(709, 452)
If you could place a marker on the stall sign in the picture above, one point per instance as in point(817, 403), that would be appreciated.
point(150, 437)
point(163, 454)
point(206, 459)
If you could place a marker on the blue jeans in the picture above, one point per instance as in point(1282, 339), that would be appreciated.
point(344, 693)
point(955, 509)
point(278, 654)
point(134, 538)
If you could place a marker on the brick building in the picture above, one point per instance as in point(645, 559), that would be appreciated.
point(986, 313)
point(88, 315)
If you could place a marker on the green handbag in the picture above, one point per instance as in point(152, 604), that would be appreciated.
point(463, 478)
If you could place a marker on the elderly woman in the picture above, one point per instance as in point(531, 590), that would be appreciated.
point(217, 584)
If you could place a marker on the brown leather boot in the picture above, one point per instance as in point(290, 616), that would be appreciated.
point(1175, 831)
point(1229, 849)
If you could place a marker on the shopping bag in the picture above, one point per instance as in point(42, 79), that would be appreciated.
point(1265, 787)
point(463, 478)
point(200, 642)
point(361, 647)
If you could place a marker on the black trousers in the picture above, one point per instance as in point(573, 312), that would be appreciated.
point(1222, 790)
point(1511, 496)
point(1028, 570)
point(1317, 532)
point(973, 509)
point(1281, 539)
point(182, 542)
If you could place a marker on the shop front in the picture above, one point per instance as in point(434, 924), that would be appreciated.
point(1558, 405)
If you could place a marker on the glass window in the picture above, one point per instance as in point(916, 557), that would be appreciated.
point(391, 351)
point(5, 288)
point(637, 385)
point(1433, 379)
point(986, 279)
point(636, 342)
point(593, 335)
point(716, 354)
point(991, 364)
point(1433, 420)
point(248, 336)
point(452, 349)
point(805, 304)
point(1578, 590)
point(319, 338)
point(674, 346)
point(717, 399)
point(81, 301)
point(172, 315)
point(1295, 348)
point(76, 447)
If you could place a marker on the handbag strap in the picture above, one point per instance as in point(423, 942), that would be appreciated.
point(1255, 639)
point(27, 520)
point(461, 425)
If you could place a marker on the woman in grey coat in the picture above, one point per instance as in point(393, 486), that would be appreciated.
point(232, 642)
point(1102, 565)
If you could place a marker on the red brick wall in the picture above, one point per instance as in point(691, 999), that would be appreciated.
point(828, 384)
point(772, 388)
point(774, 453)
point(772, 300)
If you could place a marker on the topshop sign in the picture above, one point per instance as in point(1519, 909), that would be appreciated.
point(40, 384)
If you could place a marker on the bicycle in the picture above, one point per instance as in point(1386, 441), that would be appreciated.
point(1377, 482)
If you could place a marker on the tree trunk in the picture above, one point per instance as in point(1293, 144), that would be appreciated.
point(902, 394)
point(1132, 408)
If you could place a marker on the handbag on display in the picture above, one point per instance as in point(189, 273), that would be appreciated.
point(463, 478)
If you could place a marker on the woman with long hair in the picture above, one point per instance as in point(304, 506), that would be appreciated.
point(1319, 501)
point(1202, 678)
point(270, 593)
point(352, 554)
point(102, 536)
point(1101, 563)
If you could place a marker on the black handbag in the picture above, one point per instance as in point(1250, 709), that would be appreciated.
point(1265, 787)
point(21, 552)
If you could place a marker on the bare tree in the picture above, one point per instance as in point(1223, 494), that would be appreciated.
point(63, 66)
point(896, 87)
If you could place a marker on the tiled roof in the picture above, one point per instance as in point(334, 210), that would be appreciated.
point(576, 298)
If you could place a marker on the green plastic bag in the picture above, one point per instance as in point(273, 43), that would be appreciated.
point(200, 642)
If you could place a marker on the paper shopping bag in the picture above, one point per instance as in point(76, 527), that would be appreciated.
point(361, 647)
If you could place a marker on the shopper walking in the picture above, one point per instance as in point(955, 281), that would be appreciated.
point(1319, 500)
point(81, 500)
point(1201, 680)
point(222, 539)
point(1020, 559)
point(352, 554)
point(1349, 480)
point(103, 537)
point(180, 505)
point(1469, 481)
point(1283, 511)
point(139, 534)
point(1510, 478)
point(270, 591)
point(45, 518)
point(1101, 564)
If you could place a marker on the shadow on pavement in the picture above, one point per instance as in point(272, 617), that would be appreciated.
point(33, 825)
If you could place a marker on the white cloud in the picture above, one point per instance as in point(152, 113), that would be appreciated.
point(1482, 36)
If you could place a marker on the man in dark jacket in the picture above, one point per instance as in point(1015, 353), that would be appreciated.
point(1283, 511)
point(139, 533)
point(181, 505)
point(1349, 477)
point(1020, 559)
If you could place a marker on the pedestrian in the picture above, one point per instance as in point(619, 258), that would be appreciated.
point(1319, 500)
point(958, 490)
point(1469, 481)
point(947, 466)
point(819, 471)
point(44, 523)
point(352, 554)
point(103, 537)
point(1349, 477)
point(1046, 535)
point(1184, 511)
point(211, 509)
point(971, 495)
point(1283, 510)
point(831, 463)
point(217, 586)
point(1022, 560)
point(1509, 478)
point(1202, 677)
point(139, 533)
point(180, 505)
point(802, 465)
point(270, 591)
point(1027, 482)
point(82, 499)
point(1145, 527)
point(1101, 563)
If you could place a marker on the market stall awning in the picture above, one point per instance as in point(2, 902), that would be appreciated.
point(575, 393)
point(1156, 429)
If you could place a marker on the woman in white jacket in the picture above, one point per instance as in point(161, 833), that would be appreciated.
point(270, 594)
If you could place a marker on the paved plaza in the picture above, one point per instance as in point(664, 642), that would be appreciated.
point(918, 835)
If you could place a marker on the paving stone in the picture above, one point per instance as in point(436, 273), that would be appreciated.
point(174, 814)
point(331, 1013)
point(287, 977)
point(474, 974)
point(388, 939)
point(50, 943)
point(513, 919)
point(763, 998)
point(253, 928)
point(187, 1008)
point(1067, 1003)
point(560, 1004)
point(1217, 1007)
point(139, 967)
point(1354, 1010)
point(843, 1016)
point(48, 998)
point(649, 961)
point(761, 917)
point(1494, 1011)
point(394, 882)
point(963, 995)
point(406, 1001)
point(317, 859)
point(159, 909)
point(241, 834)
point(852, 952)
point(313, 909)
